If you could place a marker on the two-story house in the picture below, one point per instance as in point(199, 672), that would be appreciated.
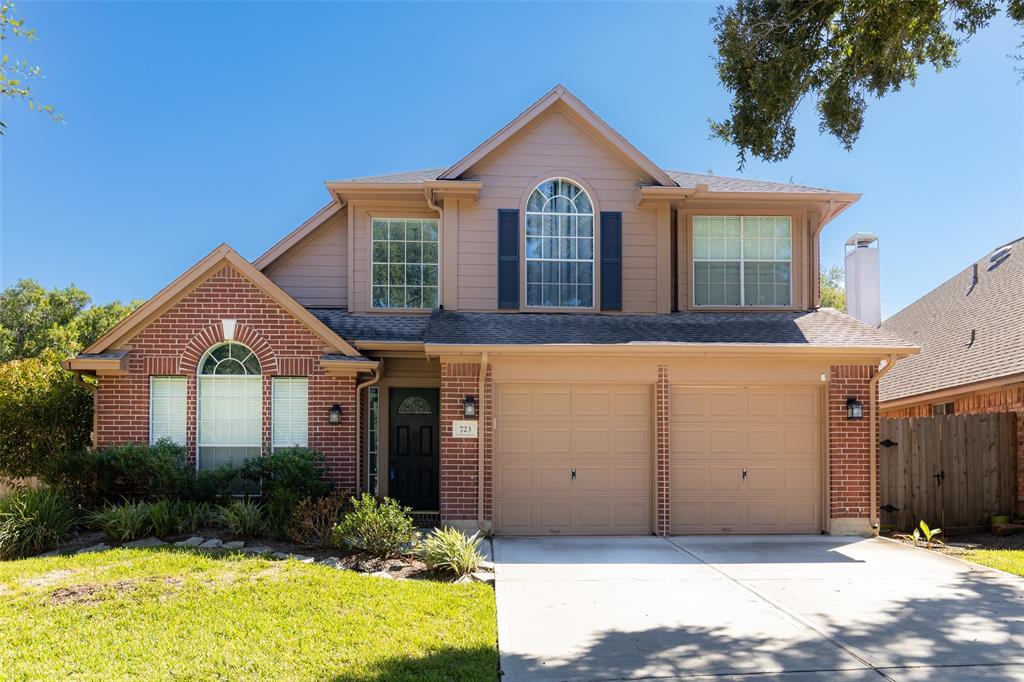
point(553, 335)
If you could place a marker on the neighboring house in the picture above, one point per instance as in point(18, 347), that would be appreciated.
point(971, 333)
point(551, 336)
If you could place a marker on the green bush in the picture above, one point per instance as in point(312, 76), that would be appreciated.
point(379, 528)
point(34, 521)
point(194, 515)
point(243, 518)
point(43, 413)
point(211, 485)
point(159, 470)
point(450, 550)
point(123, 522)
point(287, 476)
point(164, 518)
point(314, 518)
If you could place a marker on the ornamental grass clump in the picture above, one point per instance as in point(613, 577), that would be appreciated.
point(243, 518)
point(123, 522)
point(34, 520)
point(380, 529)
point(451, 551)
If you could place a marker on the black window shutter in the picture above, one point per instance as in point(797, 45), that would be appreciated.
point(508, 258)
point(611, 260)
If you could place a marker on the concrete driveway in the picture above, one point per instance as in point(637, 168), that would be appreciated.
point(789, 608)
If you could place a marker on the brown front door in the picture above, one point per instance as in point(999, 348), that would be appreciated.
point(413, 448)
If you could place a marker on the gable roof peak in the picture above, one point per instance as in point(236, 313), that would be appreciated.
point(560, 95)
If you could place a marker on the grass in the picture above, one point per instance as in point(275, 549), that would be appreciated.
point(1009, 560)
point(173, 614)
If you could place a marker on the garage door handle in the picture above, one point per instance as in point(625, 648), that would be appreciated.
point(574, 474)
point(744, 474)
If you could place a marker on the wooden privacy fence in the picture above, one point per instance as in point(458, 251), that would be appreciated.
point(952, 471)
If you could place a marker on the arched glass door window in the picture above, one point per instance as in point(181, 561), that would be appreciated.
point(414, 405)
point(229, 406)
point(559, 246)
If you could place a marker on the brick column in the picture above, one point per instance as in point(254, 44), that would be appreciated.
point(849, 452)
point(459, 456)
point(663, 509)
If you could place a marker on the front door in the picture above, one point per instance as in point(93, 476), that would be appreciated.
point(413, 445)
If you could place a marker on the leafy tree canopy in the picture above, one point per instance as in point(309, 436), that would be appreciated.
point(833, 289)
point(773, 53)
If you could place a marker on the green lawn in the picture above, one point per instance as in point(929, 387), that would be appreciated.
point(1009, 560)
point(169, 614)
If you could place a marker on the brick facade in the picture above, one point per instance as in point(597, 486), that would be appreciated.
point(174, 342)
point(460, 456)
point(1003, 399)
point(849, 444)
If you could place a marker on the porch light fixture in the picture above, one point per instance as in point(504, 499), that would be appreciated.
point(334, 415)
point(469, 407)
point(854, 408)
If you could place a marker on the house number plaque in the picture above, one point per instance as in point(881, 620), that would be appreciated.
point(464, 428)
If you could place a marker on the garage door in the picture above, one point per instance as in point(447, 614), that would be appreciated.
point(572, 459)
point(746, 460)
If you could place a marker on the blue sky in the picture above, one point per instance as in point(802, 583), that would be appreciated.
point(190, 124)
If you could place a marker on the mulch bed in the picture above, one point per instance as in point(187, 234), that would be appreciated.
point(961, 544)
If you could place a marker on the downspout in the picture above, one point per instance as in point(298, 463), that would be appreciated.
point(873, 430)
point(359, 420)
point(480, 446)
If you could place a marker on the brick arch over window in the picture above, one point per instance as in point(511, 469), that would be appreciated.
point(214, 334)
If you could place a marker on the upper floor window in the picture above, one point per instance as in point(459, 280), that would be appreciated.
point(742, 260)
point(559, 246)
point(405, 263)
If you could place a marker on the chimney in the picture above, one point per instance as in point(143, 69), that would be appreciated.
point(863, 284)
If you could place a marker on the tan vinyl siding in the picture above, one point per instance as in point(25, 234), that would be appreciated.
point(555, 146)
point(315, 271)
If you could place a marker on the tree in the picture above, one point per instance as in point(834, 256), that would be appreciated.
point(833, 289)
point(15, 74)
point(773, 53)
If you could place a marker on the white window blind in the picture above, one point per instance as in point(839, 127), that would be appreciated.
point(167, 409)
point(230, 419)
point(290, 405)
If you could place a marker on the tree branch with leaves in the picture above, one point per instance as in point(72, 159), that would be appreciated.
point(774, 53)
point(15, 74)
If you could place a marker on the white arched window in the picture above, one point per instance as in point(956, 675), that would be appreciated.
point(230, 406)
point(559, 246)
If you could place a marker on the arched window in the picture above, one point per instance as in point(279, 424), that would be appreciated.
point(414, 405)
point(230, 406)
point(559, 246)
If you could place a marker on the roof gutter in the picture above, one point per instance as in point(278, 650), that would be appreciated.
point(662, 349)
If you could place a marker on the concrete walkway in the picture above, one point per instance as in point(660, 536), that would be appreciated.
point(790, 608)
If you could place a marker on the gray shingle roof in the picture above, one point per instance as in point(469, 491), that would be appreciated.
point(826, 328)
point(821, 328)
point(715, 183)
point(942, 320)
point(372, 327)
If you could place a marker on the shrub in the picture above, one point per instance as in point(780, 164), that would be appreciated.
point(287, 477)
point(211, 485)
point(158, 470)
point(123, 522)
point(43, 413)
point(448, 549)
point(194, 515)
point(243, 518)
point(314, 518)
point(379, 528)
point(34, 521)
point(164, 518)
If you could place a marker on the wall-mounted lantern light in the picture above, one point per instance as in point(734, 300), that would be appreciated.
point(469, 407)
point(854, 408)
point(334, 415)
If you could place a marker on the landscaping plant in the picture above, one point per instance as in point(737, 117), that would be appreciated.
point(139, 471)
point(123, 522)
point(194, 515)
point(243, 518)
point(286, 477)
point(378, 528)
point(34, 520)
point(164, 518)
point(930, 534)
point(450, 550)
point(314, 518)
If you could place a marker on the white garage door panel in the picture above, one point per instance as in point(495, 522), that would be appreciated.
point(774, 433)
point(544, 432)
